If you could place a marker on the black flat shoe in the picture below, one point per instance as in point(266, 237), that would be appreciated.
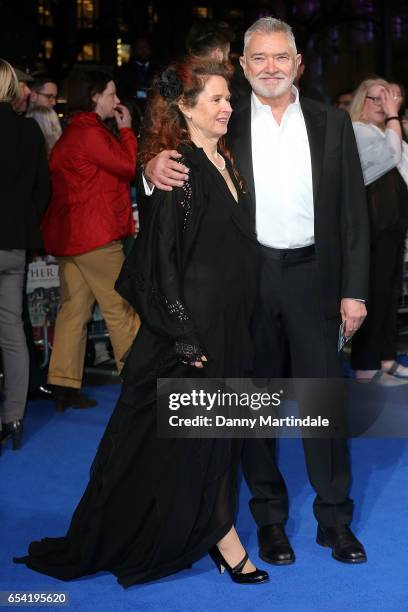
point(344, 544)
point(236, 575)
point(274, 545)
point(14, 429)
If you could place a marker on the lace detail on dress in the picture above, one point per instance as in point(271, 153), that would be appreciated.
point(188, 352)
point(186, 201)
point(177, 310)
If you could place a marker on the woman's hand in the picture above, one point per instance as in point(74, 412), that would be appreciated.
point(122, 116)
point(389, 104)
point(199, 364)
point(189, 352)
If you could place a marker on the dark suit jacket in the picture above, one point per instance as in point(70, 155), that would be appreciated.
point(132, 77)
point(24, 181)
point(340, 208)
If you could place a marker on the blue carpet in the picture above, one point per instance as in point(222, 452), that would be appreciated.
point(41, 484)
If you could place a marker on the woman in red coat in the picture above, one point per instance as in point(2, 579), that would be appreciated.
point(90, 212)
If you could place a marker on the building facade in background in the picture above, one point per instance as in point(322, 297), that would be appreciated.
point(342, 42)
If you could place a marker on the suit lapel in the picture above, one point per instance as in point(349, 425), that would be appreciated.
point(315, 120)
point(239, 140)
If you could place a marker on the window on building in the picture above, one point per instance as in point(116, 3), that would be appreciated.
point(87, 13)
point(45, 16)
point(236, 14)
point(46, 49)
point(153, 17)
point(202, 12)
point(90, 53)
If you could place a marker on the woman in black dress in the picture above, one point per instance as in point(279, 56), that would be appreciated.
point(154, 506)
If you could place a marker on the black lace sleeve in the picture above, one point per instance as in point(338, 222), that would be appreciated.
point(170, 236)
point(151, 276)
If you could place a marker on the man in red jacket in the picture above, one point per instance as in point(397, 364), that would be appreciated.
point(90, 212)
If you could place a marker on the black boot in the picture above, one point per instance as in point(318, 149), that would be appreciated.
point(14, 429)
point(68, 397)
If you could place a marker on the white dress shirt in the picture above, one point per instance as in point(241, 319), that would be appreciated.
point(283, 176)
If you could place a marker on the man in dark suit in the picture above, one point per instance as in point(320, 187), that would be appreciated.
point(133, 79)
point(302, 169)
point(300, 163)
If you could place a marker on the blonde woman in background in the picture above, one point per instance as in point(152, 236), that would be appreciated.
point(384, 159)
point(24, 195)
point(49, 123)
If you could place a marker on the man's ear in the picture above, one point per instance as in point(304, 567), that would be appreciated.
point(242, 61)
point(298, 60)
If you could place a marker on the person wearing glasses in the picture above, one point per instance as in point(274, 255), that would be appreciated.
point(44, 92)
point(43, 98)
point(384, 158)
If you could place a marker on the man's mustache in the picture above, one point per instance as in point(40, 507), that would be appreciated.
point(275, 75)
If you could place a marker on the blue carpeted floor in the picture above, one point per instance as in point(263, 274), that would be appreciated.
point(41, 484)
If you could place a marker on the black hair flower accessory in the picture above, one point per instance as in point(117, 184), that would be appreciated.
point(169, 85)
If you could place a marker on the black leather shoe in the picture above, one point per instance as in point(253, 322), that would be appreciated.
point(68, 397)
point(274, 545)
point(41, 393)
point(256, 577)
point(344, 544)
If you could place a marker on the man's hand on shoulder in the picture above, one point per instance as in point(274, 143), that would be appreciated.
point(164, 172)
point(353, 312)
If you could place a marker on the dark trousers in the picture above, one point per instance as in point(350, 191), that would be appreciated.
point(376, 340)
point(292, 334)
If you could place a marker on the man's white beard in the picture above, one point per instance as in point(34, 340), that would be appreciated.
point(266, 92)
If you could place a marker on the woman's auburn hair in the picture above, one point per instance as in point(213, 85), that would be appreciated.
point(165, 126)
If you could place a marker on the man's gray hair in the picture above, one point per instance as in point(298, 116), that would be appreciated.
point(270, 25)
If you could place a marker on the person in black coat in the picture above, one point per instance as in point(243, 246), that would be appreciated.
point(25, 190)
point(154, 506)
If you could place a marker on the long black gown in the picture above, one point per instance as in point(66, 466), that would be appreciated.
point(154, 506)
